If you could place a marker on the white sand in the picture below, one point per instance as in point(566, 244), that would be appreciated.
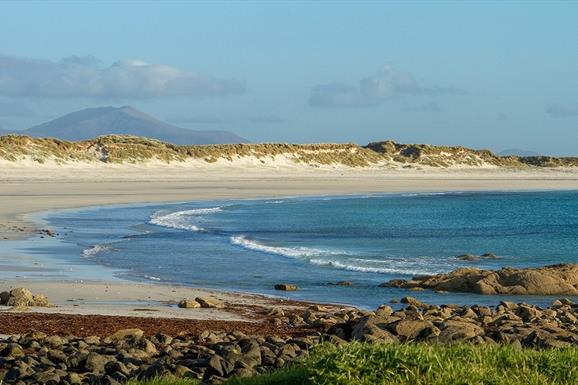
point(27, 188)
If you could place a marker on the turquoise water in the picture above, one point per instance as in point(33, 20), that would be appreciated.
point(250, 245)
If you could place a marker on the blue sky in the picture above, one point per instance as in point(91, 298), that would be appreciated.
point(482, 74)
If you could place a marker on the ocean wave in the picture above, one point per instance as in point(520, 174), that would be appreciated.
point(180, 219)
point(294, 252)
point(150, 277)
point(94, 250)
point(380, 266)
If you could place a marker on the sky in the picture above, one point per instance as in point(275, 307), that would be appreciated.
point(493, 75)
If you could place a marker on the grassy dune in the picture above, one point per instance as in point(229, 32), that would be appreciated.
point(420, 364)
point(130, 149)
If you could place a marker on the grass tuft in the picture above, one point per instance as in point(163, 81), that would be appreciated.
point(421, 364)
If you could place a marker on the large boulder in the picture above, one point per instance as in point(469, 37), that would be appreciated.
point(188, 303)
point(548, 280)
point(373, 329)
point(22, 297)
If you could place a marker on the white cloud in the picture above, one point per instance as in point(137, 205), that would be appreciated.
point(386, 84)
point(562, 110)
point(126, 79)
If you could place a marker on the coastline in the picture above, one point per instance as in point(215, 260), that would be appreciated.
point(32, 191)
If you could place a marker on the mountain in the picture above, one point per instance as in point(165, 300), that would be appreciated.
point(4, 132)
point(92, 122)
point(518, 152)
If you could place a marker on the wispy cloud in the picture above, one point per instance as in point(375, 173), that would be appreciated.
point(562, 110)
point(388, 83)
point(125, 79)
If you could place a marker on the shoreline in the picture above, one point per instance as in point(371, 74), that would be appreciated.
point(25, 196)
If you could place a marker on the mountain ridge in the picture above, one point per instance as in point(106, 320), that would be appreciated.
point(93, 122)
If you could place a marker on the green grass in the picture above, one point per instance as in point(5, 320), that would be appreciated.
point(421, 364)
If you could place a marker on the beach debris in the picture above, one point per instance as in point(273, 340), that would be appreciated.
point(22, 298)
point(286, 287)
point(559, 279)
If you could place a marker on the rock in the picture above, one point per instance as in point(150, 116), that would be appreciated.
point(209, 303)
point(344, 283)
point(127, 333)
point(468, 257)
point(4, 297)
point(489, 255)
point(548, 280)
point(20, 297)
point(454, 330)
point(189, 304)
point(373, 329)
point(40, 301)
point(12, 350)
point(96, 363)
point(411, 329)
point(413, 301)
point(286, 287)
point(383, 311)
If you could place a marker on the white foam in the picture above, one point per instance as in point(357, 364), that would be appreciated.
point(295, 252)
point(150, 277)
point(94, 250)
point(406, 267)
point(181, 219)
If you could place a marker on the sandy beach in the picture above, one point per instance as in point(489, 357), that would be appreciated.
point(26, 190)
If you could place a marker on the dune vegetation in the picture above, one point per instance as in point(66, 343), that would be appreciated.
point(131, 149)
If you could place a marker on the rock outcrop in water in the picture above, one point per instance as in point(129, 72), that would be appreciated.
point(548, 280)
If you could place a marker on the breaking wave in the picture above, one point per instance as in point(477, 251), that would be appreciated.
point(294, 252)
point(181, 219)
point(94, 250)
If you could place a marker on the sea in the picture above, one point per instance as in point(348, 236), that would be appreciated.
point(314, 242)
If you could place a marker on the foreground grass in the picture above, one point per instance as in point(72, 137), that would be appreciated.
point(420, 364)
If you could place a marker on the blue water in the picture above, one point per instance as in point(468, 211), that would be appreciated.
point(250, 245)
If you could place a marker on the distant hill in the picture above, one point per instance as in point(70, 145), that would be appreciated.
point(4, 132)
point(92, 122)
point(518, 152)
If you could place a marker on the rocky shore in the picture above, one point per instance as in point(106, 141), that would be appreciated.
point(282, 337)
point(559, 279)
